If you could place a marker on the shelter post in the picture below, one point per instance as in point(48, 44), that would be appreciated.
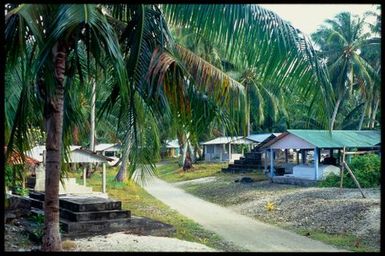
point(271, 162)
point(84, 176)
point(342, 167)
point(316, 157)
point(104, 178)
point(265, 162)
point(297, 157)
point(229, 152)
point(286, 156)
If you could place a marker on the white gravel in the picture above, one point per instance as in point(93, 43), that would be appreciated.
point(132, 243)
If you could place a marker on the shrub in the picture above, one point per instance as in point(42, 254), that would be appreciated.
point(366, 168)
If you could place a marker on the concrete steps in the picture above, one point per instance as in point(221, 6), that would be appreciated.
point(86, 215)
point(249, 163)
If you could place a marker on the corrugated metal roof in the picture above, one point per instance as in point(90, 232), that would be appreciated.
point(222, 140)
point(261, 137)
point(339, 138)
point(36, 152)
point(172, 144)
point(105, 146)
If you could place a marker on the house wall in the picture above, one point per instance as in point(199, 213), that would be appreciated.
point(219, 152)
point(215, 153)
point(292, 141)
point(83, 157)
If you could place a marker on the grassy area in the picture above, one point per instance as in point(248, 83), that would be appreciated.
point(171, 172)
point(140, 203)
point(343, 241)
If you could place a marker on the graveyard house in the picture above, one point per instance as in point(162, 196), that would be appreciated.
point(317, 151)
point(111, 150)
point(77, 155)
point(170, 148)
point(224, 149)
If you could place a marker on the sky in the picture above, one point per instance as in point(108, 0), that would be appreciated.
point(308, 17)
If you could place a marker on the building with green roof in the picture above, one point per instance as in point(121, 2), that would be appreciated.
point(317, 141)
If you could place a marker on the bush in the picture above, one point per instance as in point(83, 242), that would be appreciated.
point(366, 168)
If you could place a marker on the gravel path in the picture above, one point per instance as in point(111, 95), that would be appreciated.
point(133, 243)
point(234, 227)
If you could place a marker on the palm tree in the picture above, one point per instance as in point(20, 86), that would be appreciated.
point(54, 31)
point(340, 41)
point(151, 74)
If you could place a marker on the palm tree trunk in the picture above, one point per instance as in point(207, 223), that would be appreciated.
point(362, 117)
point(122, 173)
point(181, 142)
point(92, 134)
point(374, 113)
point(54, 126)
point(336, 107)
point(75, 135)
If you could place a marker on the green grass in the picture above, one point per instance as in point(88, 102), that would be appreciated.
point(171, 172)
point(140, 203)
point(342, 241)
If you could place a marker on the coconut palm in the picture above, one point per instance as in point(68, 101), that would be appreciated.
point(340, 41)
point(54, 32)
point(151, 74)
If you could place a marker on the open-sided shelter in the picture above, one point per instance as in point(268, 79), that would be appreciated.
point(315, 142)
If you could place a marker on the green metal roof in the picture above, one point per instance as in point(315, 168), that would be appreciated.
point(339, 138)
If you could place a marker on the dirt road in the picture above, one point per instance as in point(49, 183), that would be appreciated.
point(241, 230)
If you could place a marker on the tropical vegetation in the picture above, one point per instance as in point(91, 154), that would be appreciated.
point(148, 84)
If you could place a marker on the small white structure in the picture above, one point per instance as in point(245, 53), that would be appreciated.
point(111, 150)
point(222, 149)
point(108, 149)
point(36, 153)
point(171, 148)
point(76, 155)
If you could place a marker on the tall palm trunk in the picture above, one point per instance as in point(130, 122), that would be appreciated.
point(362, 116)
point(374, 113)
point(122, 173)
point(92, 134)
point(335, 111)
point(75, 135)
point(54, 125)
point(181, 142)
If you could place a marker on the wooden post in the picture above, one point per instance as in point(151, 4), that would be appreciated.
point(229, 152)
point(271, 162)
point(342, 166)
point(104, 178)
point(316, 157)
point(331, 152)
point(84, 176)
point(354, 178)
point(265, 162)
point(297, 157)
point(303, 152)
point(286, 156)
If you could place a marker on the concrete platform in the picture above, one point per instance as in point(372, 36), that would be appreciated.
point(293, 181)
